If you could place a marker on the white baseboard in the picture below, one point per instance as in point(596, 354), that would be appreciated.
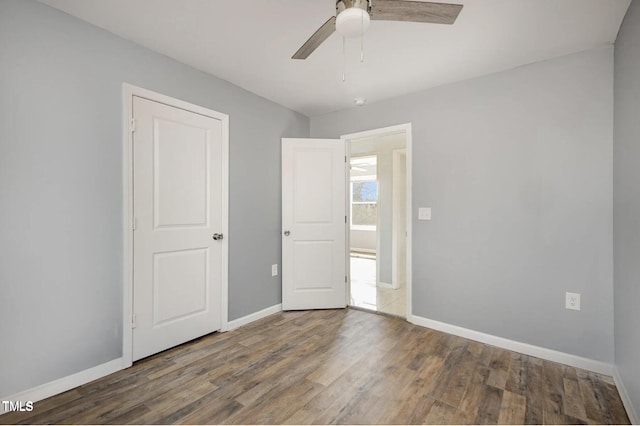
point(64, 384)
point(624, 396)
point(231, 325)
point(512, 345)
point(363, 250)
point(386, 285)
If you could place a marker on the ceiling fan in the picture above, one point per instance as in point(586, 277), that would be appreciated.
point(353, 16)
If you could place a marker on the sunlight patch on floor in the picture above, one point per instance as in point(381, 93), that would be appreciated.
point(366, 294)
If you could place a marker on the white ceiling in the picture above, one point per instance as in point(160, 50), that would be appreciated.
point(250, 42)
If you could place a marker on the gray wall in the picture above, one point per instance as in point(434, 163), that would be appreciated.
point(61, 188)
point(517, 167)
point(626, 206)
point(383, 147)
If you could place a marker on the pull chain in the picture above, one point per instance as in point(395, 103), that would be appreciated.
point(361, 37)
point(344, 61)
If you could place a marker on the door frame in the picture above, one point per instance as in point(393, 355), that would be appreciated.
point(128, 92)
point(395, 153)
point(374, 133)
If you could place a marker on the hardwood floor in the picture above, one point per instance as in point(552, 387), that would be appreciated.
point(340, 367)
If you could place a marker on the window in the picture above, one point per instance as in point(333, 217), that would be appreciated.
point(364, 193)
point(364, 203)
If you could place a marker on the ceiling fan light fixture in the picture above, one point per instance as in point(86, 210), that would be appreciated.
point(352, 22)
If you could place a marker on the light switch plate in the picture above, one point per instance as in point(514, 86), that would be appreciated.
point(274, 270)
point(424, 213)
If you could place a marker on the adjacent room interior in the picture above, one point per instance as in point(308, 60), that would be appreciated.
point(239, 212)
point(377, 231)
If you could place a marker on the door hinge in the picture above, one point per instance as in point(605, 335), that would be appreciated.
point(345, 278)
point(134, 223)
point(345, 219)
point(132, 125)
point(133, 321)
point(345, 158)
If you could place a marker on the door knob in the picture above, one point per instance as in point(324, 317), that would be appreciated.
point(286, 233)
point(217, 236)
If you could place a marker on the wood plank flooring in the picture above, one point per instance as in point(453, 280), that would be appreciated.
point(336, 367)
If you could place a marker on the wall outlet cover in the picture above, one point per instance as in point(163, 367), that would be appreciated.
point(424, 213)
point(572, 301)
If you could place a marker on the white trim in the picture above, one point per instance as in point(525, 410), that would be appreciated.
point(127, 221)
point(512, 345)
point(396, 153)
point(386, 285)
point(129, 91)
point(224, 291)
point(386, 131)
point(232, 325)
point(64, 384)
point(362, 250)
point(347, 224)
point(624, 396)
point(409, 166)
point(366, 228)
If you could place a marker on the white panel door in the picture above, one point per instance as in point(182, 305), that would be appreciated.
point(313, 224)
point(178, 207)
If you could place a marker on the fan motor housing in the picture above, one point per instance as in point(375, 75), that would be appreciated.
point(342, 5)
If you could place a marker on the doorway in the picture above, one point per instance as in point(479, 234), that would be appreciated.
point(379, 206)
point(316, 217)
point(363, 229)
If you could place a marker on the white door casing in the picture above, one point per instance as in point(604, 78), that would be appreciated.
point(179, 203)
point(406, 129)
point(399, 226)
point(313, 224)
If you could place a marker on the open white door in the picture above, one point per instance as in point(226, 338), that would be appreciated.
point(179, 220)
point(313, 224)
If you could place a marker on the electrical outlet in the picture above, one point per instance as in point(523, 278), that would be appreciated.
point(572, 301)
point(274, 270)
point(424, 213)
